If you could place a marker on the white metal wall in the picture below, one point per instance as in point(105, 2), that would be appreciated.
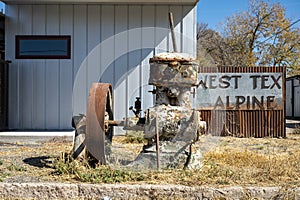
point(297, 98)
point(288, 104)
point(293, 97)
point(41, 91)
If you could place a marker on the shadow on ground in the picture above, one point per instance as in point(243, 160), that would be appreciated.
point(40, 161)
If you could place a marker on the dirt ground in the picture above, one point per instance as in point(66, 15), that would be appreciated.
point(30, 159)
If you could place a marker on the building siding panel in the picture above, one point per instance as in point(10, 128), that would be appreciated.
point(108, 20)
point(80, 52)
point(134, 57)
point(52, 72)
point(39, 71)
point(296, 100)
point(120, 67)
point(94, 39)
point(161, 27)
point(148, 44)
point(26, 71)
point(177, 17)
point(292, 97)
point(66, 69)
point(187, 42)
point(289, 105)
point(44, 94)
point(12, 13)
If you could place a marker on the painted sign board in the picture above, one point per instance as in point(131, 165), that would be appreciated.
point(239, 91)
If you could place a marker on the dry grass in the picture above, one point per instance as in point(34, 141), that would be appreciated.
point(227, 161)
point(249, 168)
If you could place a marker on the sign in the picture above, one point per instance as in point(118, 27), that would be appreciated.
point(239, 91)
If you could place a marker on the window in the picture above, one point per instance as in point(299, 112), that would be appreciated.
point(43, 47)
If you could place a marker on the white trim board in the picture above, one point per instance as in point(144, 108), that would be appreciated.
point(178, 2)
point(29, 133)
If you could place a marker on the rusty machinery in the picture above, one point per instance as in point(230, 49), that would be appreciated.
point(171, 123)
point(171, 126)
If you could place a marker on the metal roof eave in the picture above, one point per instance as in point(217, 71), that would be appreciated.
point(178, 2)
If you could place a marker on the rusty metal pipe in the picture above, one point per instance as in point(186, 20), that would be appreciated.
point(157, 143)
point(172, 32)
point(115, 123)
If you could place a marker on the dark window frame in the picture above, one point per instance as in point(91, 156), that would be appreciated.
point(43, 37)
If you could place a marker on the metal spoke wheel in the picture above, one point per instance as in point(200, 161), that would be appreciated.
point(99, 112)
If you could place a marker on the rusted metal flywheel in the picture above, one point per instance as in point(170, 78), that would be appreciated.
point(99, 111)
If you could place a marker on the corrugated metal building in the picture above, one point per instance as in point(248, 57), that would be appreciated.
point(110, 41)
point(293, 97)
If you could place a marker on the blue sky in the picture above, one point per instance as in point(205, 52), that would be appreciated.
point(214, 12)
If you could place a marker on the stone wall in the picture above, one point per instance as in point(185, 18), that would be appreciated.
point(145, 191)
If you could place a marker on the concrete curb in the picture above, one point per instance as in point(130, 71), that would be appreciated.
point(145, 191)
